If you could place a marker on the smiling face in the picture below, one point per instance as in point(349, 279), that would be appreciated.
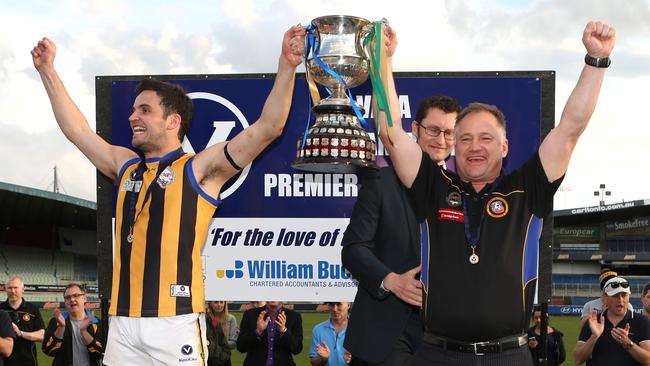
point(481, 146)
point(153, 132)
point(437, 147)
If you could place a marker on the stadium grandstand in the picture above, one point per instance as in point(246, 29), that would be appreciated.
point(587, 239)
point(49, 239)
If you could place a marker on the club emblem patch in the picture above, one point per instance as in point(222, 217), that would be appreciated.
point(454, 199)
point(166, 178)
point(497, 207)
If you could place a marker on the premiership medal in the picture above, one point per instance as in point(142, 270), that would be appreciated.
point(129, 238)
point(473, 259)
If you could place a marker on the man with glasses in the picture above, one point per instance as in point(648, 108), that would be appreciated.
point(617, 336)
point(381, 248)
point(73, 337)
point(26, 321)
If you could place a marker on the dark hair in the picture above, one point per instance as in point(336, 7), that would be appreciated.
point(445, 103)
point(71, 285)
point(173, 99)
point(645, 290)
point(606, 274)
point(482, 107)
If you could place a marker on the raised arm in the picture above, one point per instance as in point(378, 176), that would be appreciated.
point(107, 158)
point(402, 149)
point(211, 166)
point(556, 149)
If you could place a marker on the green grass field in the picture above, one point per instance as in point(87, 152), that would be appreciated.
point(567, 324)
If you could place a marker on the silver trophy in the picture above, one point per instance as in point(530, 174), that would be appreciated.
point(337, 142)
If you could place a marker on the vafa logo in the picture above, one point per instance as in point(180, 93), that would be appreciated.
point(221, 131)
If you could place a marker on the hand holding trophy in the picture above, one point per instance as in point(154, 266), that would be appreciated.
point(337, 59)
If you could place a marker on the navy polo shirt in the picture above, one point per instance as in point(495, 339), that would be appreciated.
point(493, 298)
point(607, 351)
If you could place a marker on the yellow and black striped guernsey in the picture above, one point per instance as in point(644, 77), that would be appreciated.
point(159, 273)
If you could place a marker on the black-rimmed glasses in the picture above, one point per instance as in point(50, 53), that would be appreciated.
point(435, 132)
point(72, 296)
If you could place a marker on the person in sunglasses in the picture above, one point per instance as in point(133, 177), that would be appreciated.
point(617, 336)
point(606, 274)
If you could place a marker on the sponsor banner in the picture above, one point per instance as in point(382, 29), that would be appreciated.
point(277, 233)
point(55, 288)
point(630, 224)
point(602, 208)
point(565, 310)
point(577, 231)
point(572, 310)
point(268, 258)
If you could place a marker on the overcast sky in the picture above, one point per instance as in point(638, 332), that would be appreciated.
point(120, 37)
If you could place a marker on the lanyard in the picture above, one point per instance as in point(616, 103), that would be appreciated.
point(473, 236)
point(138, 174)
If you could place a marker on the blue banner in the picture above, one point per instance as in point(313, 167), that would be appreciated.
point(278, 231)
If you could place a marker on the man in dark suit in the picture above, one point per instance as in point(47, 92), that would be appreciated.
point(381, 248)
point(270, 333)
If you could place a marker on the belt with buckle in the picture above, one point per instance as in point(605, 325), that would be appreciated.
point(477, 348)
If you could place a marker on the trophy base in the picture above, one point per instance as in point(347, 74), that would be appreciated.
point(343, 166)
point(336, 143)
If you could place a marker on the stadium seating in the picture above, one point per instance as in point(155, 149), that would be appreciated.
point(629, 245)
point(38, 266)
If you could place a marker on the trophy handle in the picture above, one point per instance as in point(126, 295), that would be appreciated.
point(361, 36)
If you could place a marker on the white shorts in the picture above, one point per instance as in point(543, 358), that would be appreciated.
point(174, 340)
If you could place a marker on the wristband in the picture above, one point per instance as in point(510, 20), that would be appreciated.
point(602, 62)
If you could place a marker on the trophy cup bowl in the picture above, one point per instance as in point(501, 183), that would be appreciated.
point(337, 142)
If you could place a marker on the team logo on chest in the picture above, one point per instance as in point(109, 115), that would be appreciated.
point(166, 178)
point(454, 199)
point(497, 207)
point(26, 317)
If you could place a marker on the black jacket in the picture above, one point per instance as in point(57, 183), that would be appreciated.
point(284, 344)
point(382, 237)
point(61, 349)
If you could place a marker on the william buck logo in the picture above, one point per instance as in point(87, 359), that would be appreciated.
point(237, 272)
